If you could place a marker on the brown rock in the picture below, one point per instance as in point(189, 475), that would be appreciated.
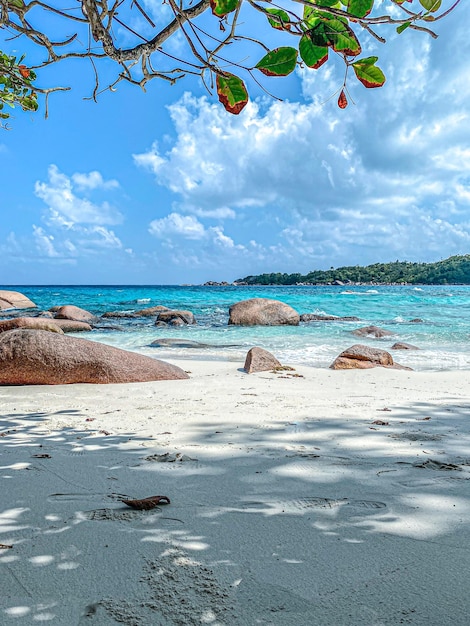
point(38, 323)
point(71, 326)
point(259, 360)
point(343, 363)
point(151, 311)
point(14, 300)
point(176, 321)
point(169, 315)
point(36, 357)
point(75, 313)
point(372, 331)
point(401, 345)
point(364, 357)
point(262, 312)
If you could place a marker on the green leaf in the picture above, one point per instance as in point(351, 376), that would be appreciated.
point(313, 56)
point(18, 4)
point(232, 93)
point(328, 3)
point(431, 5)
point(337, 35)
point(360, 8)
point(283, 21)
point(403, 27)
point(368, 73)
point(311, 17)
point(278, 62)
point(220, 8)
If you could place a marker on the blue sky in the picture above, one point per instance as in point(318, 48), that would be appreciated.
point(166, 187)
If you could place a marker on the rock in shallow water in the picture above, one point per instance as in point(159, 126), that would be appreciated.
point(263, 312)
point(74, 313)
point(14, 300)
point(372, 331)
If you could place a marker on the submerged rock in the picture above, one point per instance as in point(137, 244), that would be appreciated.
point(313, 317)
point(372, 331)
point(119, 314)
point(165, 342)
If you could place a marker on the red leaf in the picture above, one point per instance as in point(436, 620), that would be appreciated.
point(232, 93)
point(24, 71)
point(342, 100)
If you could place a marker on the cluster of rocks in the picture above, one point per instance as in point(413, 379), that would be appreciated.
point(163, 315)
point(213, 283)
point(34, 350)
point(64, 319)
point(262, 311)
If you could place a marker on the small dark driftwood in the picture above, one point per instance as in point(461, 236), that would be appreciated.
point(147, 503)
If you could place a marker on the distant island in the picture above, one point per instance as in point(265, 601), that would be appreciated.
point(452, 271)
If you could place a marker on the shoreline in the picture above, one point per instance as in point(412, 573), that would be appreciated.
point(328, 497)
point(441, 336)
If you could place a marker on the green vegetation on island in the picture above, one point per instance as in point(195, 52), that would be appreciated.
point(452, 271)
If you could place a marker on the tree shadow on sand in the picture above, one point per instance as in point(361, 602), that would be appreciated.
point(312, 521)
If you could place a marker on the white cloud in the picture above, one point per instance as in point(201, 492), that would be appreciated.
point(98, 237)
point(93, 180)
point(74, 226)
point(218, 214)
point(66, 208)
point(44, 242)
point(185, 226)
point(222, 240)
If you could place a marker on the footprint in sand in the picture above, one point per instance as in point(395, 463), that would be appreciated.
point(84, 497)
point(303, 504)
point(416, 436)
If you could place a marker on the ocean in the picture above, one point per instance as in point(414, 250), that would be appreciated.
point(443, 336)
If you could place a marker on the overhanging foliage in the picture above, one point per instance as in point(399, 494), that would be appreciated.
point(215, 38)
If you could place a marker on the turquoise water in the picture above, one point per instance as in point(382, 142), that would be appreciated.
point(444, 335)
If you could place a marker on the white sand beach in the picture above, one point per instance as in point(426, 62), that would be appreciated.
point(307, 497)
